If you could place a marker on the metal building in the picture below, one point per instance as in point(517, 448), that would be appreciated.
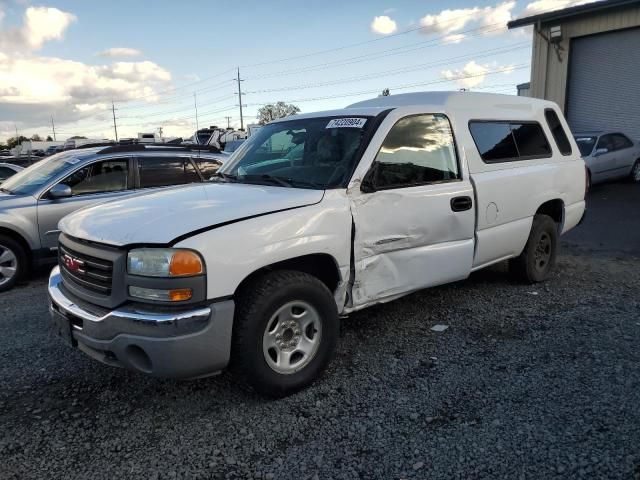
point(587, 59)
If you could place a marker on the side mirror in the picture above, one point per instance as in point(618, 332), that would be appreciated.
point(600, 151)
point(60, 191)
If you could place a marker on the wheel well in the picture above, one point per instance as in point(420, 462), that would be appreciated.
point(553, 209)
point(18, 238)
point(320, 265)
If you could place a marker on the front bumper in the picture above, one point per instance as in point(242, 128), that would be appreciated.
point(160, 342)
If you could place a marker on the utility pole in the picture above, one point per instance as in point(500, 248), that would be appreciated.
point(115, 127)
point(16, 127)
point(195, 104)
point(53, 127)
point(240, 100)
point(228, 122)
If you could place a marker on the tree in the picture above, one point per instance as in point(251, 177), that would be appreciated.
point(13, 141)
point(49, 139)
point(36, 138)
point(77, 137)
point(273, 111)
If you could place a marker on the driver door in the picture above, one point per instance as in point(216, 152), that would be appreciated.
point(414, 216)
point(97, 182)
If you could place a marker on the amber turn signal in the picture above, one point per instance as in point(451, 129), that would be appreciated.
point(180, 294)
point(184, 262)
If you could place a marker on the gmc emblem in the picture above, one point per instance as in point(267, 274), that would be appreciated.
point(72, 264)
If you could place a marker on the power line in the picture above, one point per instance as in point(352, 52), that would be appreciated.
point(487, 53)
point(365, 42)
point(405, 86)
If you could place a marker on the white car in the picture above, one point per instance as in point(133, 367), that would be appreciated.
point(380, 199)
point(609, 156)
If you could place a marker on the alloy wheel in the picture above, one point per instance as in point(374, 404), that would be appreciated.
point(8, 265)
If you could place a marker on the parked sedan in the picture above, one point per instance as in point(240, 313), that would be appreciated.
point(8, 170)
point(33, 201)
point(609, 156)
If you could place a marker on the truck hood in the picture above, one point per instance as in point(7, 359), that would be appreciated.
point(164, 216)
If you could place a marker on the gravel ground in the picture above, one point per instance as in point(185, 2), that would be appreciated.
point(527, 382)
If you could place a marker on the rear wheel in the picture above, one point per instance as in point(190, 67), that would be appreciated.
point(635, 172)
point(539, 255)
point(285, 331)
point(13, 262)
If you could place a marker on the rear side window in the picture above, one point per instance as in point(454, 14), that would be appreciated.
point(620, 142)
point(559, 135)
point(165, 171)
point(418, 150)
point(509, 141)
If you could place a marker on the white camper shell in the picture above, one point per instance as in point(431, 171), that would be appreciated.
point(316, 216)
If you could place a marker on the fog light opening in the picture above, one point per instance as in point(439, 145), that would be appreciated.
point(138, 358)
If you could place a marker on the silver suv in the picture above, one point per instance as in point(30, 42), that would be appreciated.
point(33, 201)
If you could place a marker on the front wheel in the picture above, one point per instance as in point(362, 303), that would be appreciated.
point(13, 262)
point(539, 255)
point(635, 172)
point(285, 331)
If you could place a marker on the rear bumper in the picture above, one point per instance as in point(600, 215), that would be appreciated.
point(165, 343)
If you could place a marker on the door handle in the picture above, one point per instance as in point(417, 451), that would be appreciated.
point(460, 204)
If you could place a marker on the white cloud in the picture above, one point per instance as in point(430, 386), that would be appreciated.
point(383, 25)
point(448, 22)
point(55, 80)
point(453, 38)
point(542, 6)
point(116, 52)
point(40, 24)
point(34, 87)
point(474, 74)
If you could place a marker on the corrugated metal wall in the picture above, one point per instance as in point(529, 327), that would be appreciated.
point(604, 82)
point(548, 72)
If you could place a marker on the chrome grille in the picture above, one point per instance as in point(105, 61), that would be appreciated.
point(91, 273)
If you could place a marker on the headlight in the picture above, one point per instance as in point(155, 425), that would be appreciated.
point(164, 262)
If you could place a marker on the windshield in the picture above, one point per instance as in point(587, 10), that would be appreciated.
point(233, 145)
point(29, 180)
point(308, 153)
point(585, 144)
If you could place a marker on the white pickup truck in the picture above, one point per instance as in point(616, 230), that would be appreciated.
point(316, 216)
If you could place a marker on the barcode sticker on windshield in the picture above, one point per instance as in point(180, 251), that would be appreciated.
point(347, 123)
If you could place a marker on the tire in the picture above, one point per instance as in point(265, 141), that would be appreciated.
point(271, 349)
point(634, 176)
point(539, 255)
point(13, 263)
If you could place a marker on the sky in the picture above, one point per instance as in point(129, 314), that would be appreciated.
point(160, 61)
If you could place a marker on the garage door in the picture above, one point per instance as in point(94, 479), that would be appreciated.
point(604, 82)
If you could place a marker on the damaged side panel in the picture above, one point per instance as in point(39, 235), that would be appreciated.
point(406, 239)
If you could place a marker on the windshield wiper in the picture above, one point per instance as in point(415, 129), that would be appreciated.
point(4, 190)
point(224, 176)
point(269, 179)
